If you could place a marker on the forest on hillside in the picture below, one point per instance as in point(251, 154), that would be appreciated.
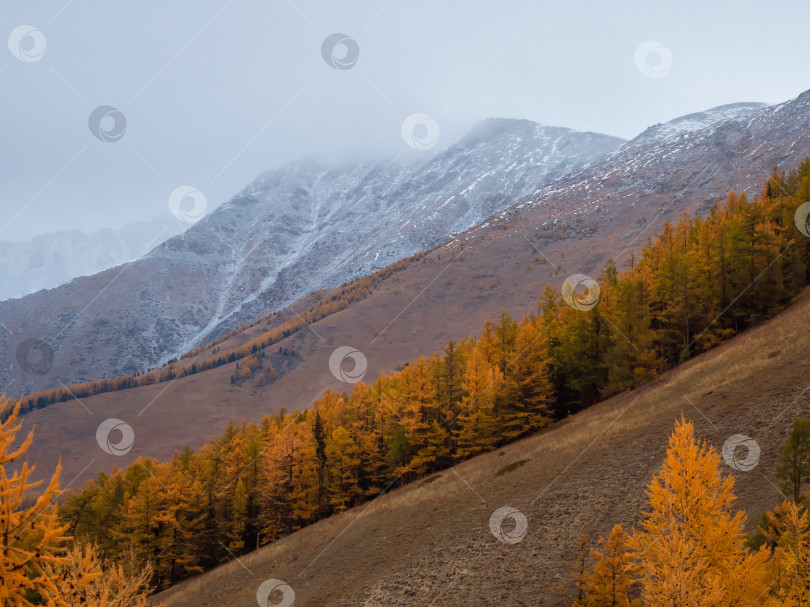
point(210, 356)
point(699, 282)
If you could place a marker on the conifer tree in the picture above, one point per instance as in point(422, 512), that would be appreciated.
point(530, 393)
point(417, 392)
point(506, 332)
point(304, 496)
point(451, 369)
point(31, 537)
point(368, 431)
point(794, 461)
point(579, 574)
point(282, 454)
point(144, 527)
point(691, 548)
point(342, 455)
point(633, 360)
point(319, 436)
point(609, 582)
point(475, 428)
point(90, 581)
point(236, 533)
point(583, 356)
point(788, 529)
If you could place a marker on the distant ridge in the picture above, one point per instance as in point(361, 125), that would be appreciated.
point(293, 231)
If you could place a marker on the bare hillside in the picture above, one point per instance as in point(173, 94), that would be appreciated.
point(292, 231)
point(572, 226)
point(430, 543)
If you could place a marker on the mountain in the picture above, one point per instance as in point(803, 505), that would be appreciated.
point(699, 120)
point(294, 230)
point(704, 154)
point(572, 225)
point(49, 260)
point(431, 541)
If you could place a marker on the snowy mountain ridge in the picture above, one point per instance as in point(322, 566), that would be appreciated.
point(292, 231)
point(751, 138)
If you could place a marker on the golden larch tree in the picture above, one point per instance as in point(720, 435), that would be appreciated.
point(343, 456)
point(691, 548)
point(31, 537)
point(789, 530)
point(609, 582)
point(92, 582)
point(476, 424)
point(530, 393)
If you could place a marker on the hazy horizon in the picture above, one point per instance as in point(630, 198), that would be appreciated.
point(213, 116)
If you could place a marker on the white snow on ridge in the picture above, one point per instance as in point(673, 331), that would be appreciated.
point(308, 226)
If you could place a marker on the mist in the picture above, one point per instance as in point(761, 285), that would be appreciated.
point(207, 95)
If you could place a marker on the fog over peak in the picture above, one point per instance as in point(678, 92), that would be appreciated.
point(210, 94)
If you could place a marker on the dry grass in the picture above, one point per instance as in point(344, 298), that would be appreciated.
point(415, 310)
point(430, 544)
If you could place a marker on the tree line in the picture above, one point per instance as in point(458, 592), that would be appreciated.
point(700, 281)
point(326, 305)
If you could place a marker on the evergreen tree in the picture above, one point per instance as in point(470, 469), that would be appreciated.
point(794, 461)
point(789, 531)
point(31, 537)
point(475, 429)
point(529, 391)
point(691, 548)
point(610, 580)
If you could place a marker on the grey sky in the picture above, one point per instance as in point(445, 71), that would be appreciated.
point(215, 91)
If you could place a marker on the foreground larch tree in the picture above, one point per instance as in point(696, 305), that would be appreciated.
point(84, 573)
point(579, 575)
point(609, 582)
point(31, 537)
point(604, 574)
point(35, 567)
point(691, 548)
point(789, 531)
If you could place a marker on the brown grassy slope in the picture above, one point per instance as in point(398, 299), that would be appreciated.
point(431, 544)
point(448, 294)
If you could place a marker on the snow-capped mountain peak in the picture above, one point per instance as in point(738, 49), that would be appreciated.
point(294, 230)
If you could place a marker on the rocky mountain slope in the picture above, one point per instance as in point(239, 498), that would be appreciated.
point(49, 260)
point(294, 230)
point(431, 542)
point(573, 225)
